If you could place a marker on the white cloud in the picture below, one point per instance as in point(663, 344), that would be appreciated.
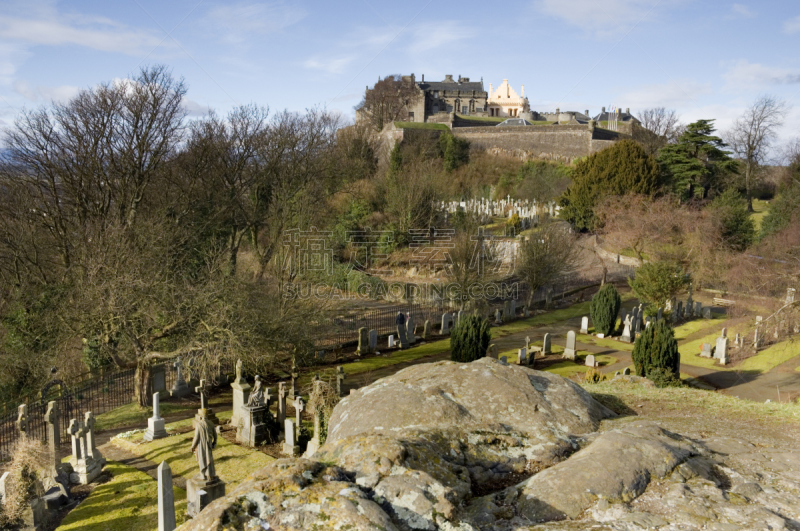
point(744, 74)
point(237, 22)
point(332, 66)
point(603, 18)
point(88, 31)
point(45, 94)
point(741, 11)
point(674, 95)
point(195, 109)
point(792, 25)
point(430, 36)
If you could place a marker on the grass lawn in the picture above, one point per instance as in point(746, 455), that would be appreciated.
point(421, 125)
point(133, 415)
point(494, 119)
point(760, 209)
point(129, 501)
point(771, 357)
point(413, 353)
point(232, 462)
point(607, 342)
point(568, 368)
point(688, 328)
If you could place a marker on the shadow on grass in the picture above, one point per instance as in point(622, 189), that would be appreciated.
point(614, 403)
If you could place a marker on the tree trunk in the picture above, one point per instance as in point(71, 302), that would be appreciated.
point(143, 387)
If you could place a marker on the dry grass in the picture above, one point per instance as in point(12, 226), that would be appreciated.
point(29, 458)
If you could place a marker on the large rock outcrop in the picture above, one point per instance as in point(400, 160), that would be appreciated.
point(487, 446)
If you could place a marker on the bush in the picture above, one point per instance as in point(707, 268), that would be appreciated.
point(664, 378)
point(656, 348)
point(604, 309)
point(657, 282)
point(593, 376)
point(469, 339)
point(738, 229)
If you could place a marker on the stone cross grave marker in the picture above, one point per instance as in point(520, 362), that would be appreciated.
point(584, 325)
point(201, 389)
point(626, 331)
point(53, 432)
point(179, 388)
point(166, 498)
point(89, 422)
point(241, 394)
point(527, 342)
point(73, 429)
point(299, 406)
point(293, 387)
point(569, 351)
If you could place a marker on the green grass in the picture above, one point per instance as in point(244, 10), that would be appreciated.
point(568, 368)
point(690, 327)
point(135, 416)
point(607, 342)
point(421, 125)
point(760, 209)
point(129, 501)
point(413, 353)
point(771, 357)
point(495, 119)
point(232, 462)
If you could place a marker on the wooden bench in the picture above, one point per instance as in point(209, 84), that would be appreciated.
point(723, 302)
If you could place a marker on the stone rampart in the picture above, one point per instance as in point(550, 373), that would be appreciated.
point(553, 142)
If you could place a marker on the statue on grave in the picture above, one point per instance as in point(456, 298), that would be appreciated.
point(257, 395)
point(205, 440)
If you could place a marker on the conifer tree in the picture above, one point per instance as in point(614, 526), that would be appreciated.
point(604, 309)
point(469, 339)
point(656, 348)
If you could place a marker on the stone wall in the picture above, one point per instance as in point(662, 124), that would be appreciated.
point(552, 142)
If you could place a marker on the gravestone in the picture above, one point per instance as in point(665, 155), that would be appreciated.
point(513, 308)
point(738, 341)
point(373, 340)
point(158, 378)
point(179, 388)
point(241, 394)
point(569, 351)
point(626, 371)
point(724, 333)
point(86, 461)
point(639, 324)
point(590, 360)
point(155, 424)
point(363, 341)
point(253, 430)
point(401, 336)
point(461, 315)
point(299, 407)
point(660, 314)
point(22, 420)
point(204, 411)
point(507, 310)
point(721, 352)
point(204, 487)
point(166, 498)
point(705, 350)
point(527, 341)
point(445, 324)
point(53, 436)
point(316, 416)
point(522, 356)
point(584, 325)
point(678, 313)
point(626, 332)
point(498, 316)
point(426, 330)
point(390, 341)
point(546, 348)
point(290, 447)
point(293, 383)
point(492, 351)
point(790, 293)
point(647, 322)
point(548, 297)
point(689, 305)
point(281, 403)
point(706, 312)
point(340, 376)
point(698, 309)
point(758, 338)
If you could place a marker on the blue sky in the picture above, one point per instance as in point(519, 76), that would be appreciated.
point(705, 59)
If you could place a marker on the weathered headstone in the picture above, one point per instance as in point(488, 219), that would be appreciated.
point(22, 420)
point(373, 340)
point(678, 313)
point(253, 430)
point(724, 332)
point(205, 486)
point(241, 394)
point(426, 330)
point(53, 435)
point(590, 360)
point(705, 350)
point(626, 371)
point(584, 325)
point(758, 337)
point(525, 311)
point(721, 352)
point(179, 388)
point(155, 424)
point(363, 341)
point(698, 309)
point(507, 310)
point(166, 498)
point(546, 347)
point(390, 341)
point(706, 312)
point(626, 332)
point(158, 378)
point(492, 351)
point(293, 382)
point(522, 356)
point(74, 429)
point(790, 294)
point(498, 316)
point(299, 406)
point(290, 447)
point(401, 336)
point(569, 351)
point(738, 341)
point(340, 376)
point(513, 308)
point(281, 403)
point(316, 416)
point(445, 324)
point(86, 461)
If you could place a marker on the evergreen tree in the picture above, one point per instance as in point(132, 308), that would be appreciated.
point(455, 151)
point(657, 282)
point(694, 165)
point(785, 205)
point(469, 339)
point(604, 309)
point(623, 168)
point(730, 209)
point(656, 349)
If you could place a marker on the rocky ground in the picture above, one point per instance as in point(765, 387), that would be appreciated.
point(486, 446)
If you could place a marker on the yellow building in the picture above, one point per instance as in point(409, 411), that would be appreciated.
point(505, 102)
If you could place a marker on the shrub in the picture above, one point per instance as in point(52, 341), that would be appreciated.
point(657, 282)
point(656, 348)
point(664, 378)
point(469, 339)
point(29, 457)
point(604, 309)
point(593, 376)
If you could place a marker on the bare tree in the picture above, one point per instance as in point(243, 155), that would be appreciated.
point(547, 255)
point(659, 127)
point(387, 101)
point(752, 135)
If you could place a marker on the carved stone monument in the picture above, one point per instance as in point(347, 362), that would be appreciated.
point(205, 486)
point(241, 394)
point(180, 388)
point(155, 424)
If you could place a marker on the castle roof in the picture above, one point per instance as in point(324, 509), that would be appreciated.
point(622, 117)
point(464, 86)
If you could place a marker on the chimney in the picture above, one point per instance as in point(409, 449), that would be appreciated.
point(523, 91)
point(423, 78)
point(604, 109)
point(586, 112)
point(628, 110)
point(448, 78)
point(558, 111)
